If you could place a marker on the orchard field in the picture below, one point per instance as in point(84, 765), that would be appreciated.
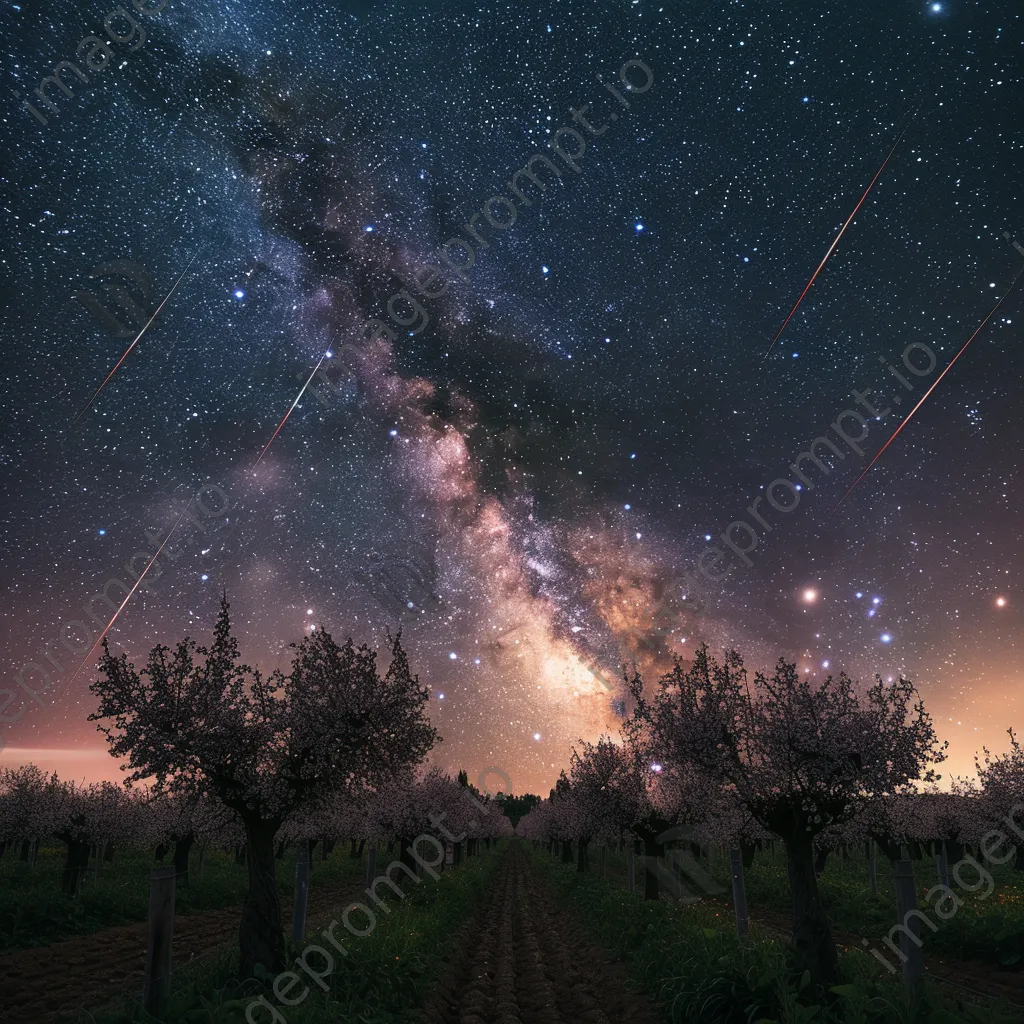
point(745, 850)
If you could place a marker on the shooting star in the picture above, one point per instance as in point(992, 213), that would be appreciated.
point(298, 398)
point(128, 596)
point(89, 404)
point(981, 327)
point(832, 247)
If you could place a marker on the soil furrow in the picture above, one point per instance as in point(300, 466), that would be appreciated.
point(523, 960)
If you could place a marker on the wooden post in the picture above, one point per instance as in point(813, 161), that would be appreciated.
point(371, 864)
point(301, 892)
point(631, 865)
point(910, 944)
point(873, 866)
point(739, 890)
point(942, 864)
point(157, 983)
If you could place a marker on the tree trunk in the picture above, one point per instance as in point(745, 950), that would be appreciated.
point(652, 851)
point(581, 855)
point(405, 854)
point(161, 852)
point(820, 856)
point(182, 847)
point(261, 940)
point(108, 853)
point(75, 863)
point(329, 845)
point(3, 848)
point(279, 855)
point(566, 851)
point(812, 936)
point(1018, 861)
point(24, 850)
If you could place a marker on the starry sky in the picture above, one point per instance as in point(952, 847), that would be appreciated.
point(528, 468)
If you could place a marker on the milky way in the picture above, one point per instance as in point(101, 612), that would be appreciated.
point(519, 460)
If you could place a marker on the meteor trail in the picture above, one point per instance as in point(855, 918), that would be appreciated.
point(134, 343)
point(832, 247)
point(991, 314)
point(128, 597)
point(289, 412)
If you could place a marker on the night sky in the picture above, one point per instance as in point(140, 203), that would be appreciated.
point(532, 464)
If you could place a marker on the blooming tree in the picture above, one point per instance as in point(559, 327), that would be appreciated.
point(197, 719)
point(800, 756)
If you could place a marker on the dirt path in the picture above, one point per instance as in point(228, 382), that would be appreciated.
point(522, 961)
point(48, 983)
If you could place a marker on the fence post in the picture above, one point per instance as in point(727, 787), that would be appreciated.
point(371, 864)
point(910, 936)
point(739, 890)
point(942, 864)
point(873, 866)
point(301, 892)
point(157, 983)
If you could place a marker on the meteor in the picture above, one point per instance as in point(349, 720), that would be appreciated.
point(981, 327)
point(298, 398)
point(832, 247)
point(128, 596)
point(134, 343)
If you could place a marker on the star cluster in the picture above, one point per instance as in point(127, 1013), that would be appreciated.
point(528, 468)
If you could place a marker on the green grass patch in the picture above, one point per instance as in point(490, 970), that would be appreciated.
point(35, 912)
point(386, 979)
point(695, 966)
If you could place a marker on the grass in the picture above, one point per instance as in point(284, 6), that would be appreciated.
point(691, 961)
point(984, 929)
point(386, 978)
point(35, 912)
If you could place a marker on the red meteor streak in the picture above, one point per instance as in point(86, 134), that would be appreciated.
point(133, 344)
point(931, 389)
point(832, 247)
point(128, 597)
point(290, 411)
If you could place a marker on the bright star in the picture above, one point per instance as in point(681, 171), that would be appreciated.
point(810, 595)
point(1000, 601)
point(885, 638)
point(239, 294)
point(452, 655)
point(536, 735)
